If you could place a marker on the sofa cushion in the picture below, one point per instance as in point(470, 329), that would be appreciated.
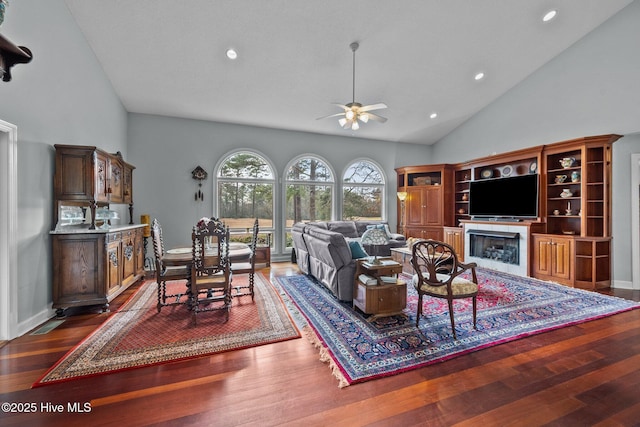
point(346, 228)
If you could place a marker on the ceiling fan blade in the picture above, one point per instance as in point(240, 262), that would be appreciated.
point(331, 115)
point(376, 117)
point(371, 107)
point(340, 105)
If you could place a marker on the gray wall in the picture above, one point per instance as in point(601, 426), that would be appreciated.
point(590, 89)
point(61, 97)
point(165, 150)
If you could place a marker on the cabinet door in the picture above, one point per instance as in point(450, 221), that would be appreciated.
point(101, 177)
point(77, 269)
point(113, 262)
point(561, 258)
point(127, 184)
point(128, 257)
point(432, 208)
point(542, 257)
point(455, 238)
point(116, 179)
point(414, 206)
point(139, 251)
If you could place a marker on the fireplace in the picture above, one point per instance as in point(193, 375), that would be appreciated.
point(500, 246)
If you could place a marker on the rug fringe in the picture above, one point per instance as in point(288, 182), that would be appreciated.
point(325, 357)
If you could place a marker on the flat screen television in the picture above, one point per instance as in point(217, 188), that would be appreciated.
point(511, 197)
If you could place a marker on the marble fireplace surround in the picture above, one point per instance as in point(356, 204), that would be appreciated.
point(522, 229)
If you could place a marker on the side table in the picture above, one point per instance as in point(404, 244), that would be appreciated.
point(382, 298)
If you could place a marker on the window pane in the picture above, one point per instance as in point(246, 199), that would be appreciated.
point(309, 170)
point(308, 202)
point(363, 172)
point(362, 202)
point(245, 165)
point(240, 203)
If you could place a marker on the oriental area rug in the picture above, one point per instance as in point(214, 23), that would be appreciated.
point(509, 308)
point(137, 335)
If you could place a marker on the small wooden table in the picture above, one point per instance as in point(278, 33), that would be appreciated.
point(383, 298)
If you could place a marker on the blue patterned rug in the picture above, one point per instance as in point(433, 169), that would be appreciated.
point(509, 308)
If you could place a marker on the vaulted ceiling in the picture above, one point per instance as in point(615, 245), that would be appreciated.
point(417, 56)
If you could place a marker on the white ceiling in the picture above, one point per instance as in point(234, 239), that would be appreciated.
point(167, 57)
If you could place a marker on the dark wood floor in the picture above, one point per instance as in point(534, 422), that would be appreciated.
point(587, 374)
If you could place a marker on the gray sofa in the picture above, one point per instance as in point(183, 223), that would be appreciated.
point(322, 251)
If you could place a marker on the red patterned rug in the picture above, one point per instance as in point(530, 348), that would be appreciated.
point(137, 335)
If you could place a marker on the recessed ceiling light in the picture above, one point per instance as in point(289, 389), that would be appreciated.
point(232, 54)
point(549, 15)
point(479, 76)
point(433, 115)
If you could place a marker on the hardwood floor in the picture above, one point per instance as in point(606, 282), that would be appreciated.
point(588, 374)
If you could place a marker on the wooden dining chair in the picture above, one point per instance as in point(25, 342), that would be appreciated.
point(437, 274)
point(165, 273)
point(210, 268)
point(247, 267)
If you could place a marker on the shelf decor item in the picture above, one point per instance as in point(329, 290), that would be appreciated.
point(507, 170)
point(566, 193)
point(486, 173)
point(560, 179)
point(567, 162)
point(533, 167)
point(575, 176)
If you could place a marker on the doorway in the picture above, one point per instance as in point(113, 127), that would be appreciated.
point(8, 226)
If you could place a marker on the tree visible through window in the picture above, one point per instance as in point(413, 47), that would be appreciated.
point(309, 192)
point(245, 191)
point(362, 192)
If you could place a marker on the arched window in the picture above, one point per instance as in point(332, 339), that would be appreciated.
point(363, 189)
point(246, 184)
point(309, 189)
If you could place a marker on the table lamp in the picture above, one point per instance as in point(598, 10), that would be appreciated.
point(374, 237)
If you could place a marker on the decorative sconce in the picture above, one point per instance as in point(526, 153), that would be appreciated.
point(402, 196)
point(199, 175)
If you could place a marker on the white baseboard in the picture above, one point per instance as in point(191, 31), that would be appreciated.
point(622, 284)
point(34, 321)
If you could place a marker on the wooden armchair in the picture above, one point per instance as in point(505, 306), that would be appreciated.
point(210, 268)
point(437, 274)
point(164, 273)
point(247, 267)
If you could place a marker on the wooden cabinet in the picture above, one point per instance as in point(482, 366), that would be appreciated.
point(92, 268)
point(553, 258)
point(429, 194)
point(454, 236)
point(89, 177)
point(573, 245)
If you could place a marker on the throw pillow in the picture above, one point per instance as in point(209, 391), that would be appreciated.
point(357, 251)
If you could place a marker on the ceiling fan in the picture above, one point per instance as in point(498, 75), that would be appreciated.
point(354, 112)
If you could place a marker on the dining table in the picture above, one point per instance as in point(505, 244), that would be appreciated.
point(183, 256)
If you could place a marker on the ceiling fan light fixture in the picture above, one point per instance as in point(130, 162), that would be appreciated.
point(364, 117)
point(355, 125)
point(342, 121)
point(349, 114)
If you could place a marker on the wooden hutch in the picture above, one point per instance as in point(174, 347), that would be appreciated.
point(570, 240)
point(92, 264)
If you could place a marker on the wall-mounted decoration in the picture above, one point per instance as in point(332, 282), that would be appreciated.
point(199, 175)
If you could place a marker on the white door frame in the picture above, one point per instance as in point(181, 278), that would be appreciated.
point(635, 220)
point(8, 227)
